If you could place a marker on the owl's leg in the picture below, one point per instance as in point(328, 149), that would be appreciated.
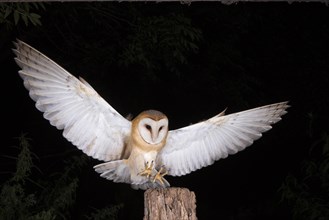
point(148, 169)
point(160, 174)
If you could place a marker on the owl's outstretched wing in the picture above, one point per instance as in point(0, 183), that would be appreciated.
point(89, 122)
point(199, 145)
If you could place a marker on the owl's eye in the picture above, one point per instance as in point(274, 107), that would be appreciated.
point(148, 127)
point(160, 128)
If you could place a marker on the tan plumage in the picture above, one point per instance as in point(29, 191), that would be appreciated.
point(139, 152)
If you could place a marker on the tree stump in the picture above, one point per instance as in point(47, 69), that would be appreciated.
point(171, 203)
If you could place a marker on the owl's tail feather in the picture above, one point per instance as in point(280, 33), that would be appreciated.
point(151, 185)
point(118, 171)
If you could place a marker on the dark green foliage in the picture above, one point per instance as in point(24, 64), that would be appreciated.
point(308, 194)
point(161, 40)
point(23, 198)
point(129, 36)
point(13, 13)
point(15, 202)
point(108, 213)
point(24, 161)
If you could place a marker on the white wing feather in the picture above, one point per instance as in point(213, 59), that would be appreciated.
point(199, 145)
point(89, 122)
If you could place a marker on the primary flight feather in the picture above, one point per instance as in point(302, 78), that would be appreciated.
point(142, 151)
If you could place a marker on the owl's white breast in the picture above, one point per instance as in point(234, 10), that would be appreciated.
point(139, 157)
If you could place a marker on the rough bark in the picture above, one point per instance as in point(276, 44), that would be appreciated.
point(169, 204)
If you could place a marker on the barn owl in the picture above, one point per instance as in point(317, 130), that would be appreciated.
point(142, 151)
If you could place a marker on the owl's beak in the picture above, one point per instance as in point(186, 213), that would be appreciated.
point(154, 136)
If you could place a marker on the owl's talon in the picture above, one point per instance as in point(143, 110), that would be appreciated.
point(160, 174)
point(148, 169)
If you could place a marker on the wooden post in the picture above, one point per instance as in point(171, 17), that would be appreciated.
point(169, 204)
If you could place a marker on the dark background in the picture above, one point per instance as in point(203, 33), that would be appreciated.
point(190, 62)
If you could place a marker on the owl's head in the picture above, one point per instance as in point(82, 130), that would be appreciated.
point(150, 127)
